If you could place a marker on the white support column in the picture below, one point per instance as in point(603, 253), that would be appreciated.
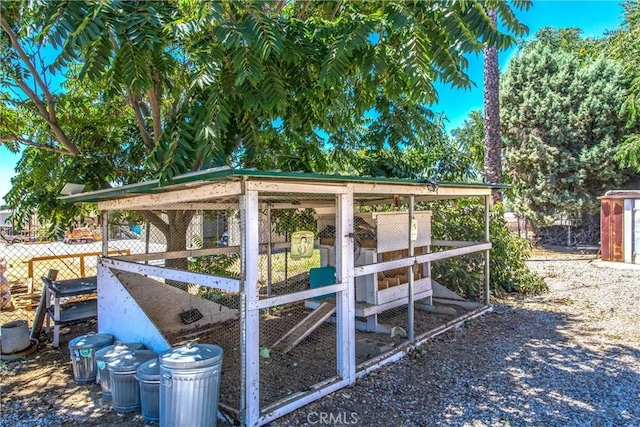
point(487, 281)
point(346, 353)
point(410, 272)
point(249, 206)
point(105, 233)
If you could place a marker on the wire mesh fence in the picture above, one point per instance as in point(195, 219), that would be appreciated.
point(297, 339)
point(74, 255)
point(26, 262)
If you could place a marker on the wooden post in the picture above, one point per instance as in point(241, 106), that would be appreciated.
point(345, 300)
point(82, 271)
point(147, 237)
point(38, 321)
point(410, 307)
point(105, 233)
point(487, 281)
point(30, 271)
point(251, 384)
point(269, 249)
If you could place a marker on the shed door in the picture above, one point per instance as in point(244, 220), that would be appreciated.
point(611, 232)
point(605, 230)
point(617, 233)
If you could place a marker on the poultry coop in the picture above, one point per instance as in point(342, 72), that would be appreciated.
point(322, 278)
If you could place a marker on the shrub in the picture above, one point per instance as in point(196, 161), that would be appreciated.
point(508, 271)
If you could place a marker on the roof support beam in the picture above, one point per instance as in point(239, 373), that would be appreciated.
point(203, 192)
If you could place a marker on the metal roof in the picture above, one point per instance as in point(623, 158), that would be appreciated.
point(621, 194)
point(229, 174)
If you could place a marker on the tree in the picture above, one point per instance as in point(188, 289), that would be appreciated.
point(470, 138)
point(562, 123)
point(245, 83)
point(624, 46)
point(492, 140)
point(110, 154)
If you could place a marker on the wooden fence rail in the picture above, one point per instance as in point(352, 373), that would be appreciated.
point(82, 257)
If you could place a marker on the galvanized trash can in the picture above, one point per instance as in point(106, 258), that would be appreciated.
point(190, 385)
point(125, 392)
point(104, 355)
point(14, 336)
point(83, 350)
point(148, 376)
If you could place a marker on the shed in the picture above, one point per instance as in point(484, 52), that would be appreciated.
point(620, 226)
point(323, 279)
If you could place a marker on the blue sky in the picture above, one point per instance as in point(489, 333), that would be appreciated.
point(593, 17)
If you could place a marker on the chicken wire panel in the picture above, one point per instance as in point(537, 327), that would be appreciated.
point(155, 231)
point(463, 275)
point(185, 312)
point(294, 241)
point(297, 349)
point(211, 316)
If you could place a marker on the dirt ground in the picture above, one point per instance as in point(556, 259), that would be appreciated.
point(39, 389)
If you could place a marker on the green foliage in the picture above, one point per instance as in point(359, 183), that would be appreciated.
point(569, 40)
point(426, 153)
point(225, 265)
point(287, 221)
point(624, 46)
point(239, 76)
point(562, 125)
point(470, 137)
point(243, 83)
point(508, 271)
point(111, 154)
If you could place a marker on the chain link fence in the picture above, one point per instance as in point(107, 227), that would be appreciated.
point(25, 260)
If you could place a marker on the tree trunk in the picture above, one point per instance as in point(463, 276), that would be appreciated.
point(174, 229)
point(177, 241)
point(492, 141)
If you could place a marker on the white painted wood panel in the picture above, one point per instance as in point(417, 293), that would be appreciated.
point(393, 230)
point(250, 228)
point(207, 191)
point(364, 310)
point(636, 233)
point(216, 282)
point(405, 262)
point(401, 291)
point(627, 231)
point(121, 316)
point(296, 296)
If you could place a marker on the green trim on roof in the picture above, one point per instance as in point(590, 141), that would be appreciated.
point(228, 174)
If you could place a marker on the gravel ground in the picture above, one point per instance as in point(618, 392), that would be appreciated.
point(569, 357)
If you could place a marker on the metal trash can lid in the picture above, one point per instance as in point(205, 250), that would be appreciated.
point(129, 361)
point(117, 349)
point(191, 355)
point(149, 370)
point(14, 324)
point(90, 341)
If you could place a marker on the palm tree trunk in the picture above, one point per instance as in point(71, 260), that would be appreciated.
point(492, 141)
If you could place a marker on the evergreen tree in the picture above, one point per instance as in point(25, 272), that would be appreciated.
point(562, 123)
point(625, 46)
